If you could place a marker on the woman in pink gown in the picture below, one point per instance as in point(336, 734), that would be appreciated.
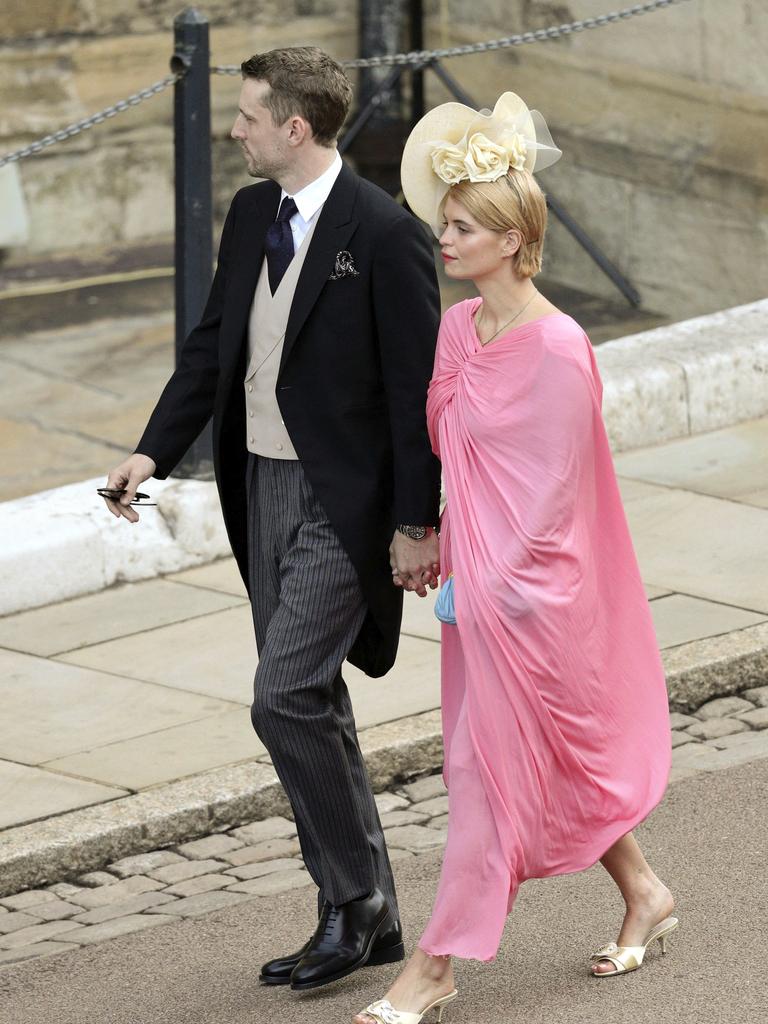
point(554, 704)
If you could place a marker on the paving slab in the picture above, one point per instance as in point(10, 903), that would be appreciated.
point(133, 905)
point(275, 882)
point(35, 459)
point(728, 463)
point(215, 658)
point(419, 618)
point(37, 933)
point(219, 660)
point(248, 871)
point(122, 926)
point(222, 575)
point(30, 898)
point(52, 709)
point(110, 895)
point(167, 754)
point(758, 695)
point(393, 818)
point(269, 828)
point(171, 874)
point(92, 879)
point(388, 803)
point(14, 922)
point(266, 850)
point(678, 619)
point(702, 546)
point(35, 951)
point(115, 612)
point(721, 707)
point(29, 793)
point(415, 838)
point(410, 688)
point(633, 490)
point(195, 886)
point(204, 903)
point(210, 846)
point(425, 789)
point(77, 412)
point(58, 910)
point(714, 728)
point(757, 719)
point(432, 807)
point(143, 862)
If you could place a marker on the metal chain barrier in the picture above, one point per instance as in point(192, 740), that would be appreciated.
point(416, 57)
point(538, 36)
point(89, 122)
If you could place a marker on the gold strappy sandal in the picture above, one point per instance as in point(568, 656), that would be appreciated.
point(383, 1012)
point(629, 958)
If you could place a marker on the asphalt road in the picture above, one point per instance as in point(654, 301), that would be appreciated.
point(708, 840)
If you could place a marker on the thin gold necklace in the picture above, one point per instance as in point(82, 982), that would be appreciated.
point(510, 321)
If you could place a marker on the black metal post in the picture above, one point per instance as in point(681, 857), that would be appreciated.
point(377, 152)
point(194, 208)
point(379, 29)
point(379, 96)
point(417, 73)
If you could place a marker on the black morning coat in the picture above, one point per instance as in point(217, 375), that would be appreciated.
point(352, 385)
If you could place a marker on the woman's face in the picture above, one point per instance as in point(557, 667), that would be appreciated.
point(469, 250)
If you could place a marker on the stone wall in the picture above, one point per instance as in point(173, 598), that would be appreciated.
point(112, 186)
point(661, 119)
point(662, 122)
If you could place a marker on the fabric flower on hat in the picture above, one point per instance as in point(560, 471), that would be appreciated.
point(453, 143)
point(448, 163)
point(485, 160)
point(517, 148)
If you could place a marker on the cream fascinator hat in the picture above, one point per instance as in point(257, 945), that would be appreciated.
point(454, 143)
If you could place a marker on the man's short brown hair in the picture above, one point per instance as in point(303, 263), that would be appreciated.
point(303, 80)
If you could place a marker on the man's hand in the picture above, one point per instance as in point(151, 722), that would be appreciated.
point(415, 563)
point(130, 475)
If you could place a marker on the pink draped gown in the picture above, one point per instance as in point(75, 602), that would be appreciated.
point(554, 703)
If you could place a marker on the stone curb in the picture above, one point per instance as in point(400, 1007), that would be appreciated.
point(677, 380)
point(66, 846)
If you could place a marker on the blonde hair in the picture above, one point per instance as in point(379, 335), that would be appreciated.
point(512, 202)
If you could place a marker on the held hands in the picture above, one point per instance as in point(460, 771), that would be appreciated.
point(415, 563)
point(130, 475)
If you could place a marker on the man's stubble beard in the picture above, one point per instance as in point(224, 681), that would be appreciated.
point(261, 170)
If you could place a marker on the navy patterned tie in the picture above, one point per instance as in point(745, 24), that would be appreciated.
point(279, 243)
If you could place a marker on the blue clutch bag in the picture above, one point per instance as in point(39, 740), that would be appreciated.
point(444, 608)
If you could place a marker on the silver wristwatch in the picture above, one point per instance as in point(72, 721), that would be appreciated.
point(414, 532)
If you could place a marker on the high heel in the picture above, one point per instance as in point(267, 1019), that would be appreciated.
point(383, 1012)
point(629, 958)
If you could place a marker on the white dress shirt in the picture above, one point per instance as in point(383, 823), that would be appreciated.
point(309, 201)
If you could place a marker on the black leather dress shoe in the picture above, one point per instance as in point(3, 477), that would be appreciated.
point(387, 949)
point(278, 971)
point(347, 937)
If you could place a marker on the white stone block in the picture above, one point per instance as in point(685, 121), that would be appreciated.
point(63, 543)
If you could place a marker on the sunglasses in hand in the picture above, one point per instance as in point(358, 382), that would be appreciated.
point(115, 493)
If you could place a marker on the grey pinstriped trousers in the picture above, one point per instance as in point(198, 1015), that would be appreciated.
point(308, 608)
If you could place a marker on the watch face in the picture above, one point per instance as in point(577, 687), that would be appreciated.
point(414, 532)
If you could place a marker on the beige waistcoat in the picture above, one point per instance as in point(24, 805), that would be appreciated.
point(265, 430)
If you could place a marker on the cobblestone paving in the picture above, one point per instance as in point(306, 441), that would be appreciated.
point(263, 858)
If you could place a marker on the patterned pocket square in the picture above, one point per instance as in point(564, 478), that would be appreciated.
point(345, 266)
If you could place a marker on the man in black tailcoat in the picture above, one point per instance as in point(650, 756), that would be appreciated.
point(313, 356)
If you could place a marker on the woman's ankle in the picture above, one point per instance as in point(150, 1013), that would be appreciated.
point(649, 889)
point(434, 967)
